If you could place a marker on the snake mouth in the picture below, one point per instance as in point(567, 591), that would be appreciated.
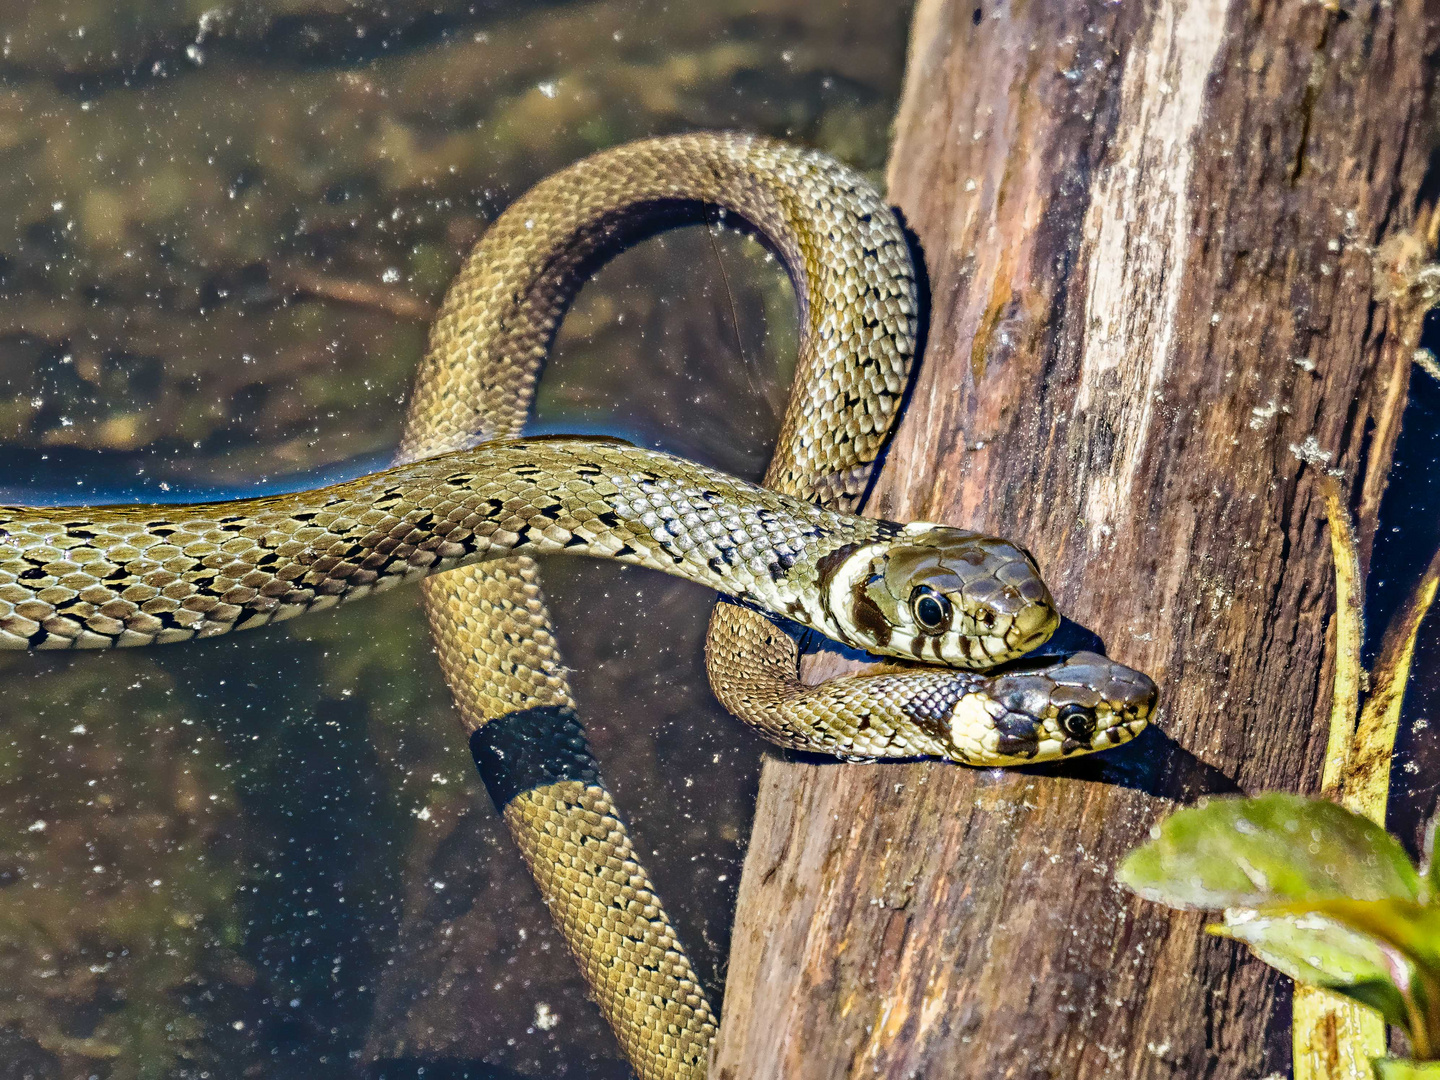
point(1017, 739)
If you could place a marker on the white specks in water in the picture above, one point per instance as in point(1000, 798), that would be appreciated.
point(545, 1019)
point(391, 275)
point(549, 89)
point(36, 826)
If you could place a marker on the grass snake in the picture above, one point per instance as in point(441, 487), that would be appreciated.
point(470, 497)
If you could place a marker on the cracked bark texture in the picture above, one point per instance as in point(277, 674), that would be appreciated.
point(1152, 234)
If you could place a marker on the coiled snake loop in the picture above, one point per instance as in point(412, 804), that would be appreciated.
point(468, 497)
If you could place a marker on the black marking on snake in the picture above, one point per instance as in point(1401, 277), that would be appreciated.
point(530, 749)
point(932, 710)
point(609, 519)
point(830, 562)
point(783, 561)
point(1019, 735)
point(867, 614)
point(490, 508)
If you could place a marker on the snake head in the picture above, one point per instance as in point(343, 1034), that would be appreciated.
point(1051, 710)
point(940, 594)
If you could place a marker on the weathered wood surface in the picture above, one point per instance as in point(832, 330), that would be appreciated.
point(1151, 232)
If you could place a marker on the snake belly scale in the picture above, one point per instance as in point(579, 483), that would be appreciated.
point(466, 496)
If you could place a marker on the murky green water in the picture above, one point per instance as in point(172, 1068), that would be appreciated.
point(222, 227)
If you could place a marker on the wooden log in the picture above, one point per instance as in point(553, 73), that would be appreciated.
point(1166, 246)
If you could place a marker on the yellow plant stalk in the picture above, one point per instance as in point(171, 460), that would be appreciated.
point(1335, 1038)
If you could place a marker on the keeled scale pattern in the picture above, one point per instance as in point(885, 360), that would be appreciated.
point(102, 577)
point(848, 260)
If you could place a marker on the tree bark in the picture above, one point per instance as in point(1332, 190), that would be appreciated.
point(1167, 251)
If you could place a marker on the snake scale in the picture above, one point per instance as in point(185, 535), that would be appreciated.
point(467, 496)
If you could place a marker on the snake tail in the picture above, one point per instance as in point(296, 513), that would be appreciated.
point(539, 771)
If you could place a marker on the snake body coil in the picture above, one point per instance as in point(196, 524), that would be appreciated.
point(467, 498)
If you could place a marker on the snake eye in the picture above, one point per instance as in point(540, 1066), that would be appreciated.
point(931, 610)
point(1077, 721)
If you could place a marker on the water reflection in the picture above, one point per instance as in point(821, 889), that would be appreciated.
point(268, 854)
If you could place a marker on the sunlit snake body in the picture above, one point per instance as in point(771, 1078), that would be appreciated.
point(465, 490)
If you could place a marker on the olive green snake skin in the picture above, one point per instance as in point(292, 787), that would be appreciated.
point(468, 497)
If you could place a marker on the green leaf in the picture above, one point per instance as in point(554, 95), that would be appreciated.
point(1313, 949)
point(1400, 1069)
point(1249, 852)
point(1408, 928)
